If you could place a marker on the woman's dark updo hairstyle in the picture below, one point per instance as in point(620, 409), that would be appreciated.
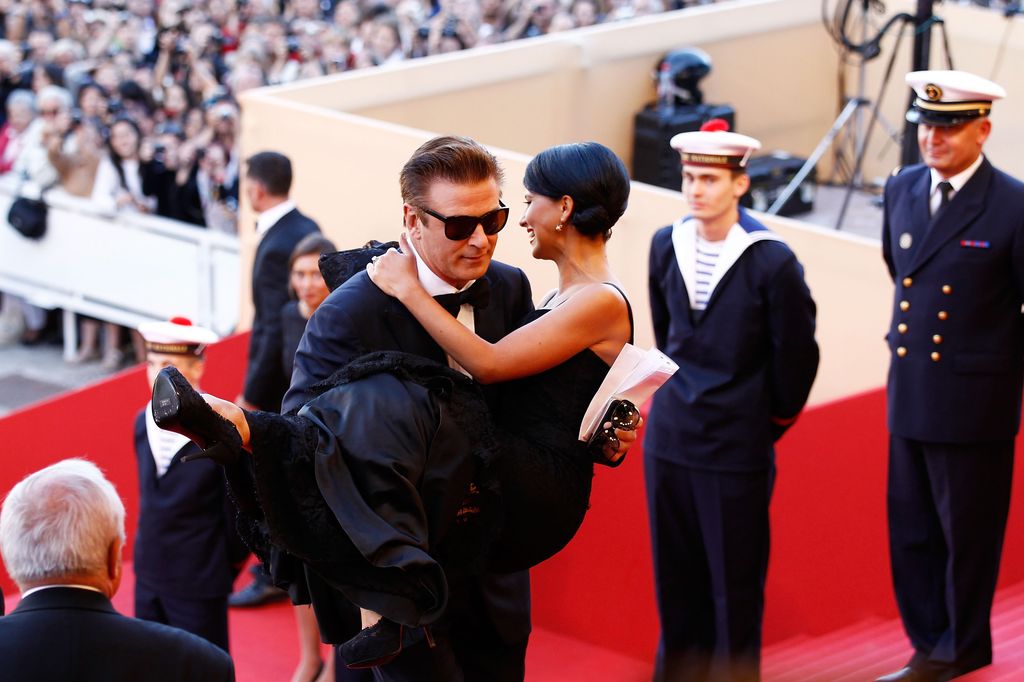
point(592, 175)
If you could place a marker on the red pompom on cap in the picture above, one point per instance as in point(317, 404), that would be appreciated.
point(715, 125)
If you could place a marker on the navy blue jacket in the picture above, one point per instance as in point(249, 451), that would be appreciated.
point(67, 633)
point(186, 544)
point(265, 382)
point(746, 364)
point(358, 318)
point(960, 277)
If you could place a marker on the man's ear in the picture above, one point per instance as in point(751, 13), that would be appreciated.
point(114, 566)
point(411, 218)
point(740, 185)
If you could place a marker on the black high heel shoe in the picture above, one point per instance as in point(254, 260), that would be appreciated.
point(178, 407)
point(380, 644)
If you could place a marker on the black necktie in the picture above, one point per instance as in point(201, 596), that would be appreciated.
point(944, 190)
point(478, 296)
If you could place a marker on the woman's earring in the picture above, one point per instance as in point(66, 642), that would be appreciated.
point(558, 227)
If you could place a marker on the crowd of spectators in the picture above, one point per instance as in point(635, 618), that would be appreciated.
point(134, 103)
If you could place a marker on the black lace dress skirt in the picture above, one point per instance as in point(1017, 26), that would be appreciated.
point(398, 478)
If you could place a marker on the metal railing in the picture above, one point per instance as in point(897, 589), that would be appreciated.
point(120, 267)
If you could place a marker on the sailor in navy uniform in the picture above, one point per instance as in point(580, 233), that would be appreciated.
point(187, 551)
point(730, 307)
point(953, 239)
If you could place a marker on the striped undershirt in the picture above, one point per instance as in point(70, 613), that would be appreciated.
point(706, 258)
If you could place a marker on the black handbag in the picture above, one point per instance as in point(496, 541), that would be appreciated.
point(28, 216)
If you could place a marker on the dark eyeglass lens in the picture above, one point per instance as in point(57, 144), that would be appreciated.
point(461, 227)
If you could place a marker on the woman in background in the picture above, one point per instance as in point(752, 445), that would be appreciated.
point(308, 287)
point(118, 187)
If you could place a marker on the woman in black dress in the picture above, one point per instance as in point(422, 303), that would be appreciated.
point(510, 487)
point(306, 285)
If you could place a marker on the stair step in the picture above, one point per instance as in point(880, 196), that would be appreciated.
point(865, 650)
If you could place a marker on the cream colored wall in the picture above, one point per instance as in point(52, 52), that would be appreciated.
point(349, 135)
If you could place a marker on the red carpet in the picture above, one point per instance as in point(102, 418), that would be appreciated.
point(829, 614)
point(865, 650)
point(264, 647)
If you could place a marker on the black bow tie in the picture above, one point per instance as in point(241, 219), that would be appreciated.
point(478, 296)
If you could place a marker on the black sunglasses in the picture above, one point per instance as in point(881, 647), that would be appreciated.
point(623, 416)
point(459, 227)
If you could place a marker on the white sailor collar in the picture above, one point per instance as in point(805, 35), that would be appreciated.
point(737, 241)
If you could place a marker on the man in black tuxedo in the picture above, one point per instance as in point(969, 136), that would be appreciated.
point(450, 176)
point(953, 239)
point(280, 227)
point(61, 535)
point(187, 551)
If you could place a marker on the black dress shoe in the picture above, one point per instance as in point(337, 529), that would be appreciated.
point(908, 674)
point(178, 407)
point(257, 593)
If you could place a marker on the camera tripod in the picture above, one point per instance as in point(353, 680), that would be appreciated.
point(851, 115)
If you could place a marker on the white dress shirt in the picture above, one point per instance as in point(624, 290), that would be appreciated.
point(957, 182)
point(272, 215)
point(436, 286)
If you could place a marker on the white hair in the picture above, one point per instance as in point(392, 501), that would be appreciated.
point(60, 522)
point(22, 97)
point(8, 49)
point(54, 92)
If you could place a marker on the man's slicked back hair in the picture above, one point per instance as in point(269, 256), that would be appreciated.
point(454, 159)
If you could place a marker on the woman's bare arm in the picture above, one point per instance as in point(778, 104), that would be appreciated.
point(597, 313)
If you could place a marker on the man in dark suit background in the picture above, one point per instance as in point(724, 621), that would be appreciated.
point(452, 176)
point(280, 226)
point(953, 239)
point(187, 551)
point(729, 305)
point(61, 535)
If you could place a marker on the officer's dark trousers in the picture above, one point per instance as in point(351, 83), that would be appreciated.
point(710, 535)
point(205, 617)
point(948, 504)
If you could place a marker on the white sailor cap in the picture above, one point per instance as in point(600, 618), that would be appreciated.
point(177, 336)
point(713, 145)
point(949, 98)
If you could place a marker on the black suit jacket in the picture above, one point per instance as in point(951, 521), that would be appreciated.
point(957, 332)
point(358, 318)
point(265, 382)
point(186, 544)
point(75, 635)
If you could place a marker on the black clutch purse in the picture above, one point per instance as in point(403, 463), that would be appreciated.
point(623, 415)
point(28, 216)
